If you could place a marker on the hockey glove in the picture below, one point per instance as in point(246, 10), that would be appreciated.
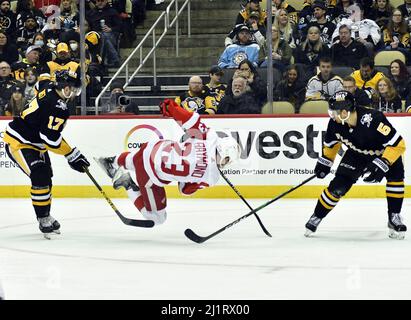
point(77, 161)
point(166, 106)
point(323, 167)
point(376, 170)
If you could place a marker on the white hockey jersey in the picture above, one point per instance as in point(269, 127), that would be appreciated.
point(192, 161)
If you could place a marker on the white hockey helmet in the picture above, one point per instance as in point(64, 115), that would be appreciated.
point(228, 150)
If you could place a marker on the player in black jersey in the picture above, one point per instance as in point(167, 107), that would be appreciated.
point(36, 131)
point(375, 150)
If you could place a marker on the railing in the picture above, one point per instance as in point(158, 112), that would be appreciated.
point(165, 16)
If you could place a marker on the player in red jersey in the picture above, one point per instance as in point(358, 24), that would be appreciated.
point(192, 163)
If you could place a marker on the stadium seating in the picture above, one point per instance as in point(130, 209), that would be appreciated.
point(396, 3)
point(279, 107)
point(342, 71)
point(384, 58)
point(317, 107)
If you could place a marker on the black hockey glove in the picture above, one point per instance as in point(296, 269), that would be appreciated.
point(323, 167)
point(77, 161)
point(376, 170)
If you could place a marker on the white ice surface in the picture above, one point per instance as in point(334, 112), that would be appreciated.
point(97, 257)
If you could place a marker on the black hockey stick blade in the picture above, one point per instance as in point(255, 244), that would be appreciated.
point(190, 234)
point(137, 223)
point(127, 221)
point(194, 237)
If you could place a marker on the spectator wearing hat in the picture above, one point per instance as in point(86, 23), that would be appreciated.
point(62, 62)
point(25, 34)
point(32, 58)
point(8, 50)
point(258, 30)
point(104, 19)
point(26, 8)
point(321, 21)
point(243, 48)
point(119, 102)
point(215, 87)
point(7, 18)
point(6, 83)
point(93, 44)
point(196, 99)
point(251, 6)
point(17, 101)
point(347, 52)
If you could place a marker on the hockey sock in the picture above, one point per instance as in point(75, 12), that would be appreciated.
point(326, 202)
point(121, 159)
point(395, 196)
point(136, 198)
point(41, 200)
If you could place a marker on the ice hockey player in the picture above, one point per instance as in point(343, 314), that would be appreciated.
point(192, 163)
point(375, 150)
point(36, 131)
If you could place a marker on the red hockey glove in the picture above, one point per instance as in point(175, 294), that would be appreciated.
point(165, 107)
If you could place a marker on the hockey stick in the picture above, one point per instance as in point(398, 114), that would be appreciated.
point(196, 238)
point(245, 201)
point(127, 221)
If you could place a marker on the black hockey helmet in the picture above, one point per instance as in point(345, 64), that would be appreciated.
point(342, 100)
point(67, 78)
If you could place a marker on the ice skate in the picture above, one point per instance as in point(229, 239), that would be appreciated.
point(311, 225)
point(396, 228)
point(108, 165)
point(123, 179)
point(48, 226)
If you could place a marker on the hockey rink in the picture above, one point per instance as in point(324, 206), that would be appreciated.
point(98, 257)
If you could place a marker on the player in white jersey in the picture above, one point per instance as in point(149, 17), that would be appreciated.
point(192, 163)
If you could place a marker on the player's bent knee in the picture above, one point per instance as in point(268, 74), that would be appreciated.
point(159, 217)
point(40, 175)
point(339, 186)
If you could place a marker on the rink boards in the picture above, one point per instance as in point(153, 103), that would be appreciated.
point(277, 153)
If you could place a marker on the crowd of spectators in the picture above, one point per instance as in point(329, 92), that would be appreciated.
point(309, 45)
point(40, 37)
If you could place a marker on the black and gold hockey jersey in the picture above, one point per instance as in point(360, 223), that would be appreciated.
point(373, 136)
point(202, 104)
point(217, 92)
point(39, 126)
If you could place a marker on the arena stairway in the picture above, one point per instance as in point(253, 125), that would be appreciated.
point(211, 21)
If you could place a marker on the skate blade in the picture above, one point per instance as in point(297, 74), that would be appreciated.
point(51, 235)
point(397, 235)
point(56, 231)
point(308, 233)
